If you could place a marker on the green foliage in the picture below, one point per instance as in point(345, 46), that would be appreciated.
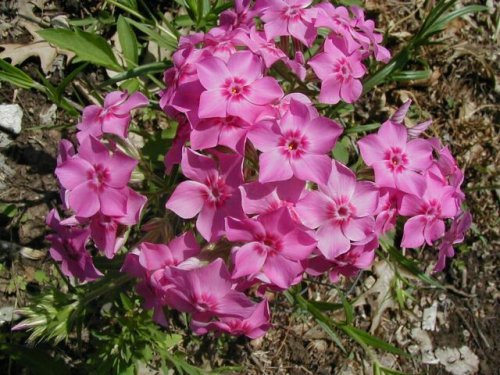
point(87, 46)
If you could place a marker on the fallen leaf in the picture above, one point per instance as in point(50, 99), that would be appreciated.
point(461, 361)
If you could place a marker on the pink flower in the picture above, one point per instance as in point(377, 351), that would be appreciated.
point(427, 213)
point(148, 263)
point(241, 16)
point(68, 247)
point(108, 233)
point(339, 72)
point(256, 42)
point(212, 193)
point(290, 17)
point(359, 257)
point(260, 198)
point(205, 292)
point(227, 131)
point(388, 210)
point(339, 21)
point(295, 147)
point(397, 163)
point(254, 325)
point(236, 88)
point(368, 38)
point(342, 210)
point(95, 180)
point(460, 224)
point(65, 151)
point(113, 118)
point(399, 116)
point(174, 153)
point(273, 244)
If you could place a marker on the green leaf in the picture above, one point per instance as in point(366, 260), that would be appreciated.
point(361, 128)
point(164, 40)
point(156, 67)
point(128, 42)
point(411, 75)
point(411, 266)
point(348, 309)
point(365, 338)
point(87, 46)
point(341, 150)
point(37, 360)
point(326, 306)
point(15, 76)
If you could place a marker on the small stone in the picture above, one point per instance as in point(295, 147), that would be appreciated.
point(429, 317)
point(11, 116)
point(48, 115)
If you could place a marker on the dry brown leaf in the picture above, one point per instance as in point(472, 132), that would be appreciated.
point(18, 53)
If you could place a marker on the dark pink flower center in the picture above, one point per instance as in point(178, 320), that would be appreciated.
point(99, 176)
point(204, 302)
point(271, 242)
point(238, 327)
point(342, 69)
point(293, 144)
point(341, 210)
point(396, 160)
point(235, 88)
point(432, 208)
point(219, 191)
point(293, 13)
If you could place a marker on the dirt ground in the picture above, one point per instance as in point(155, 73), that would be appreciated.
point(461, 97)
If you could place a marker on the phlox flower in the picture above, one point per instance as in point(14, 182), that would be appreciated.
point(260, 198)
point(67, 246)
point(342, 210)
point(274, 245)
point(240, 17)
point(235, 88)
point(148, 263)
point(174, 153)
point(258, 44)
point(114, 117)
point(427, 213)
point(253, 326)
point(66, 150)
point(339, 71)
point(368, 38)
point(359, 257)
point(460, 224)
point(296, 146)
point(95, 180)
point(338, 20)
point(387, 210)
point(211, 193)
point(205, 292)
point(290, 17)
point(396, 162)
point(227, 131)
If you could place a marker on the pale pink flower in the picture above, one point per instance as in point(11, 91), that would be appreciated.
point(258, 44)
point(290, 17)
point(340, 73)
point(114, 117)
point(297, 146)
point(274, 245)
point(338, 20)
point(237, 88)
point(387, 210)
point(342, 210)
point(368, 38)
point(427, 213)
point(96, 180)
point(397, 163)
point(211, 193)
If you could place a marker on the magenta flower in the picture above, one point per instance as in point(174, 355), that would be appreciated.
point(388, 210)
point(427, 213)
point(296, 147)
point(95, 180)
point(256, 42)
point(260, 198)
point(342, 210)
point(113, 118)
point(108, 233)
point(368, 38)
point(236, 88)
point(205, 292)
point(212, 193)
point(338, 20)
point(174, 153)
point(290, 17)
point(340, 73)
point(396, 162)
point(65, 151)
point(460, 224)
point(68, 247)
point(274, 245)
point(253, 326)
point(227, 131)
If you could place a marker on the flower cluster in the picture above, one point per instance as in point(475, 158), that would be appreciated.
point(268, 202)
point(94, 186)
